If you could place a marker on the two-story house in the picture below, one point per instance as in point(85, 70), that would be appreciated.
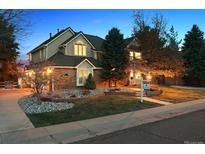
point(73, 55)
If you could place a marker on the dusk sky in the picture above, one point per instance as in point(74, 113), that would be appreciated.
point(98, 22)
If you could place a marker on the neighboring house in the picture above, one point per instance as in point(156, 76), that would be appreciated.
point(73, 55)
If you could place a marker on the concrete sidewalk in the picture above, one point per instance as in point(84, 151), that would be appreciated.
point(75, 131)
point(11, 116)
point(155, 101)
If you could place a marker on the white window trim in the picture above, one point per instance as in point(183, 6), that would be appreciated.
point(84, 38)
point(84, 50)
point(77, 81)
point(84, 61)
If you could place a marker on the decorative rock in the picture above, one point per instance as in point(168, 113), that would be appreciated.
point(30, 105)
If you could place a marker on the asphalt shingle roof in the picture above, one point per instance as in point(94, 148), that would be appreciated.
point(96, 41)
point(50, 39)
point(59, 59)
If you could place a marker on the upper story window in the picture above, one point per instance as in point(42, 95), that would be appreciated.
point(80, 50)
point(135, 55)
point(42, 54)
point(30, 57)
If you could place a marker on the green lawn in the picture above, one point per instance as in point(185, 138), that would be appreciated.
point(177, 95)
point(90, 108)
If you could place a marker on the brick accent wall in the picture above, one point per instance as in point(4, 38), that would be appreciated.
point(98, 80)
point(64, 78)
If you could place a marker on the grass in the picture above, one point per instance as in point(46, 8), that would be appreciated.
point(177, 95)
point(90, 108)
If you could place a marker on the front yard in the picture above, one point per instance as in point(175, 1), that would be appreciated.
point(90, 108)
point(178, 95)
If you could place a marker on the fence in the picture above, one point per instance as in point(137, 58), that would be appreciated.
point(9, 84)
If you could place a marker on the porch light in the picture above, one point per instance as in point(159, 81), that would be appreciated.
point(49, 71)
point(149, 77)
point(138, 75)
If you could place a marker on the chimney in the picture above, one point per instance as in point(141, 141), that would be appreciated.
point(50, 35)
point(58, 30)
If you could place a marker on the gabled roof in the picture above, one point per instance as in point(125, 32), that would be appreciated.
point(132, 43)
point(129, 40)
point(59, 59)
point(52, 38)
point(95, 41)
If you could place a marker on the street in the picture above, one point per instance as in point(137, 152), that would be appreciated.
point(188, 128)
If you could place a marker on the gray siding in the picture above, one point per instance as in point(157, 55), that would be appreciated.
point(39, 55)
point(53, 47)
point(80, 39)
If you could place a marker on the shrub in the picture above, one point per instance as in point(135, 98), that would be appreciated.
point(90, 83)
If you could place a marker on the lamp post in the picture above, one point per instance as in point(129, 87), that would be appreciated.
point(49, 72)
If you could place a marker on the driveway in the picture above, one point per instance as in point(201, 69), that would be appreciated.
point(11, 116)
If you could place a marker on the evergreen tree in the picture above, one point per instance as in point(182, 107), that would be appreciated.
point(194, 57)
point(172, 40)
point(115, 59)
point(8, 49)
point(90, 83)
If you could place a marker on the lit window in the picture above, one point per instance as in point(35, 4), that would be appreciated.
point(82, 76)
point(84, 50)
point(76, 49)
point(30, 57)
point(131, 74)
point(131, 55)
point(137, 75)
point(80, 50)
point(135, 55)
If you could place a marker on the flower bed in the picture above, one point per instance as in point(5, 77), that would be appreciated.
point(152, 92)
point(31, 105)
point(71, 95)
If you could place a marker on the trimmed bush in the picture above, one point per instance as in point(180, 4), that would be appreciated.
point(90, 83)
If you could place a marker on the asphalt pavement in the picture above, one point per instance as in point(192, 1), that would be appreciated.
point(188, 129)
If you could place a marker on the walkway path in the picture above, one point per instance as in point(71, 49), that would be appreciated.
point(156, 101)
point(11, 116)
point(188, 87)
point(80, 130)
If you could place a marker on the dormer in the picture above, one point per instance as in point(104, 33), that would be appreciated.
point(79, 45)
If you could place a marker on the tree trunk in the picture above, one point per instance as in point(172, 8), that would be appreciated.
point(109, 83)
